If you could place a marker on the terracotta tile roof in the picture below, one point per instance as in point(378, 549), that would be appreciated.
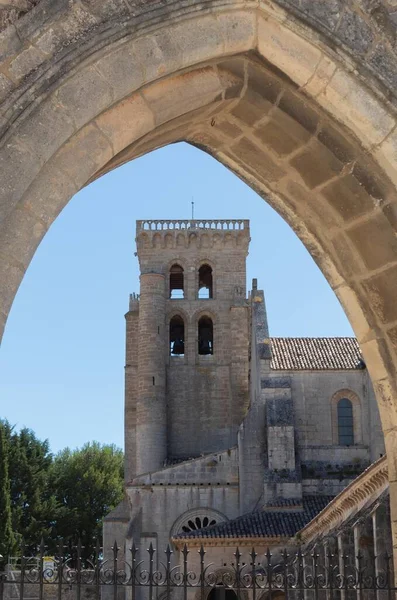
point(315, 353)
point(282, 523)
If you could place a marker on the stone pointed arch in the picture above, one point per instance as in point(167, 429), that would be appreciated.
point(268, 89)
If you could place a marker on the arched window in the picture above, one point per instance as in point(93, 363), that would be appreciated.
point(176, 282)
point(177, 336)
point(345, 423)
point(198, 522)
point(205, 336)
point(205, 282)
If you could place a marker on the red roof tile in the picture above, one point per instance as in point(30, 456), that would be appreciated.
point(315, 353)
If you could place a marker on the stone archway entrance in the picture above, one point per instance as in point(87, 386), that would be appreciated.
point(299, 104)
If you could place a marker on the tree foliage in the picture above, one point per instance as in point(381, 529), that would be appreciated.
point(87, 483)
point(7, 540)
point(42, 496)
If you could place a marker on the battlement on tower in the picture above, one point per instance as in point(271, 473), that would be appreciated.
point(195, 233)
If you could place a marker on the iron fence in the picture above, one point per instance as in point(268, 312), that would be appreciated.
point(145, 573)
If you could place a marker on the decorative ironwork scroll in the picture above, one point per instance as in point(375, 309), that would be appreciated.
point(300, 575)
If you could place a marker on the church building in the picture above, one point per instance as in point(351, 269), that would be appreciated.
point(230, 434)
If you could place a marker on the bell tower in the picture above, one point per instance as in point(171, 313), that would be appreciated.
point(187, 342)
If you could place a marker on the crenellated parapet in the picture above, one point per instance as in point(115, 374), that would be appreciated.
point(228, 233)
point(134, 302)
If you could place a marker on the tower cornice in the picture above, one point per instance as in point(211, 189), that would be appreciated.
point(205, 233)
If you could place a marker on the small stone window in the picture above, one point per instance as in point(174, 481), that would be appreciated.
point(205, 336)
point(177, 336)
point(176, 282)
point(345, 422)
point(205, 282)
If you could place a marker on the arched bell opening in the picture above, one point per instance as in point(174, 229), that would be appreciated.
point(205, 336)
point(205, 290)
point(177, 282)
point(177, 336)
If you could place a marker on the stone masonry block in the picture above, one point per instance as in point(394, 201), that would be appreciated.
point(83, 155)
point(375, 242)
point(279, 412)
point(251, 108)
point(126, 122)
point(263, 82)
point(386, 154)
point(49, 193)
point(299, 110)
point(73, 95)
point(26, 62)
point(327, 165)
point(290, 53)
point(5, 86)
point(11, 274)
point(354, 31)
point(255, 160)
point(322, 76)
point(382, 293)
point(355, 312)
point(383, 60)
point(348, 198)
point(238, 30)
point(122, 69)
point(282, 133)
point(18, 167)
point(21, 233)
point(182, 94)
point(337, 143)
point(276, 382)
point(350, 103)
point(50, 128)
point(10, 43)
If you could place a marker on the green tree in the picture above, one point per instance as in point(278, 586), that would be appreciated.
point(7, 539)
point(87, 484)
point(33, 504)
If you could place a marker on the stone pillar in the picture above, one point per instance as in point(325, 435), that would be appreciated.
point(151, 415)
point(239, 367)
point(131, 389)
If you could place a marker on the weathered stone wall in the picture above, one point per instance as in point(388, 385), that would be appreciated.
point(212, 469)
point(131, 391)
point(151, 406)
point(206, 395)
point(155, 508)
point(312, 392)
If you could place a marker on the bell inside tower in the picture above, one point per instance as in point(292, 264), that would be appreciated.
point(205, 336)
point(177, 336)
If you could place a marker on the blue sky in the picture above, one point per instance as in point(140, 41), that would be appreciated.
point(62, 358)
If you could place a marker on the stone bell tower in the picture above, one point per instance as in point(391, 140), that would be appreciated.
point(187, 346)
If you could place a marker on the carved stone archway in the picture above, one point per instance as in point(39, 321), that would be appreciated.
point(300, 102)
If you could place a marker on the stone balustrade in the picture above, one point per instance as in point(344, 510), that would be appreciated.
point(212, 224)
